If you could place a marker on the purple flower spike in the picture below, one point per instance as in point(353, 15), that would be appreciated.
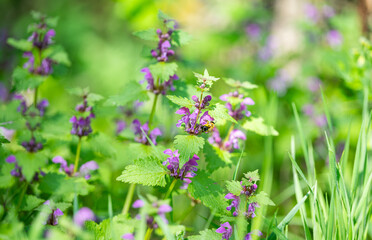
point(41, 106)
point(138, 203)
point(64, 166)
point(239, 111)
point(140, 136)
point(53, 217)
point(226, 230)
point(128, 236)
point(162, 88)
point(84, 214)
point(82, 126)
point(234, 204)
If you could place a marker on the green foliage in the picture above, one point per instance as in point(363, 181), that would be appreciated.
point(132, 92)
point(30, 163)
point(237, 84)
point(58, 54)
point(234, 187)
point(214, 157)
point(181, 37)
point(209, 234)
point(31, 202)
point(23, 79)
point(163, 70)
point(262, 198)
point(187, 146)
point(149, 35)
point(219, 112)
point(253, 176)
point(210, 193)
point(258, 126)
point(62, 185)
point(181, 101)
point(3, 139)
point(146, 171)
point(22, 44)
point(205, 79)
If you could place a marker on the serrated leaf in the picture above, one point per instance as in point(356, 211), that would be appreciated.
point(30, 163)
point(181, 101)
point(102, 145)
point(93, 98)
point(262, 199)
point(209, 234)
point(163, 70)
point(149, 35)
point(220, 112)
point(31, 202)
point(133, 91)
point(23, 80)
point(209, 192)
point(254, 176)
point(234, 187)
point(181, 37)
point(21, 44)
point(258, 126)
point(58, 54)
point(61, 184)
point(213, 157)
point(146, 171)
point(187, 146)
point(238, 84)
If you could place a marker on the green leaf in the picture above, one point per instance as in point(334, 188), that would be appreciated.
point(258, 126)
point(21, 44)
point(30, 163)
point(205, 79)
point(210, 193)
point(58, 54)
point(146, 171)
point(181, 101)
point(234, 187)
point(163, 70)
point(209, 234)
point(61, 184)
point(93, 98)
point(187, 146)
point(24, 80)
point(238, 84)
point(133, 91)
point(253, 176)
point(181, 37)
point(214, 157)
point(102, 145)
point(162, 16)
point(262, 199)
point(31, 202)
point(220, 112)
point(3, 139)
point(149, 35)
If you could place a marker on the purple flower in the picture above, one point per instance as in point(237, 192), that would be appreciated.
point(17, 171)
point(53, 217)
point(328, 11)
point(238, 111)
point(138, 203)
point(226, 230)
point(82, 126)
point(308, 110)
point(32, 145)
point(84, 214)
point(84, 170)
point(320, 120)
point(186, 172)
point(140, 137)
point(190, 121)
point(280, 83)
point(251, 210)
point(41, 106)
point(161, 210)
point(120, 126)
point(334, 38)
point(234, 203)
point(311, 12)
point(253, 30)
point(232, 142)
point(128, 236)
point(163, 51)
point(249, 235)
point(314, 84)
point(162, 88)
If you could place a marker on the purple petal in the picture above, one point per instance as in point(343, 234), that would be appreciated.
point(128, 236)
point(138, 203)
point(164, 208)
point(248, 101)
point(84, 214)
point(60, 160)
point(183, 111)
point(11, 159)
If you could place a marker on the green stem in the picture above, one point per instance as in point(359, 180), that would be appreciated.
point(170, 189)
point(229, 132)
point(200, 104)
point(129, 198)
point(22, 196)
point(153, 110)
point(148, 234)
point(35, 96)
point(76, 166)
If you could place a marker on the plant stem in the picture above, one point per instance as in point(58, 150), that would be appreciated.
point(170, 189)
point(35, 96)
point(148, 234)
point(77, 156)
point(153, 110)
point(129, 198)
point(22, 195)
point(229, 132)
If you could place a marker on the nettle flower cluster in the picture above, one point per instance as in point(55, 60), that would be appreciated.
point(243, 200)
point(81, 126)
point(194, 118)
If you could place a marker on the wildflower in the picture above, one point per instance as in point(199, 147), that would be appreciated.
point(251, 210)
point(234, 204)
point(158, 89)
point(32, 145)
point(163, 51)
point(160, 210)
point(334, 38)
point(53, 217)
point(84, 170)
point(140, 137)
point(253, 30)
point(17, 171)
point(248, 189)
point(226, 230)
point(190, 121)
point(249, 235)
point(82, 126)
point(239, 110)
point(231, 143)
point(120, 126)
point(281, 82)
point(84, 214)
point(186, 172)
point(128, 236)
point(311, 12)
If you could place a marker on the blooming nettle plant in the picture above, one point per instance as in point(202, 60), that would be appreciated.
point(141, 131)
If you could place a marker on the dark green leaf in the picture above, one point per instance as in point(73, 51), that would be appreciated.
point(187, 146)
